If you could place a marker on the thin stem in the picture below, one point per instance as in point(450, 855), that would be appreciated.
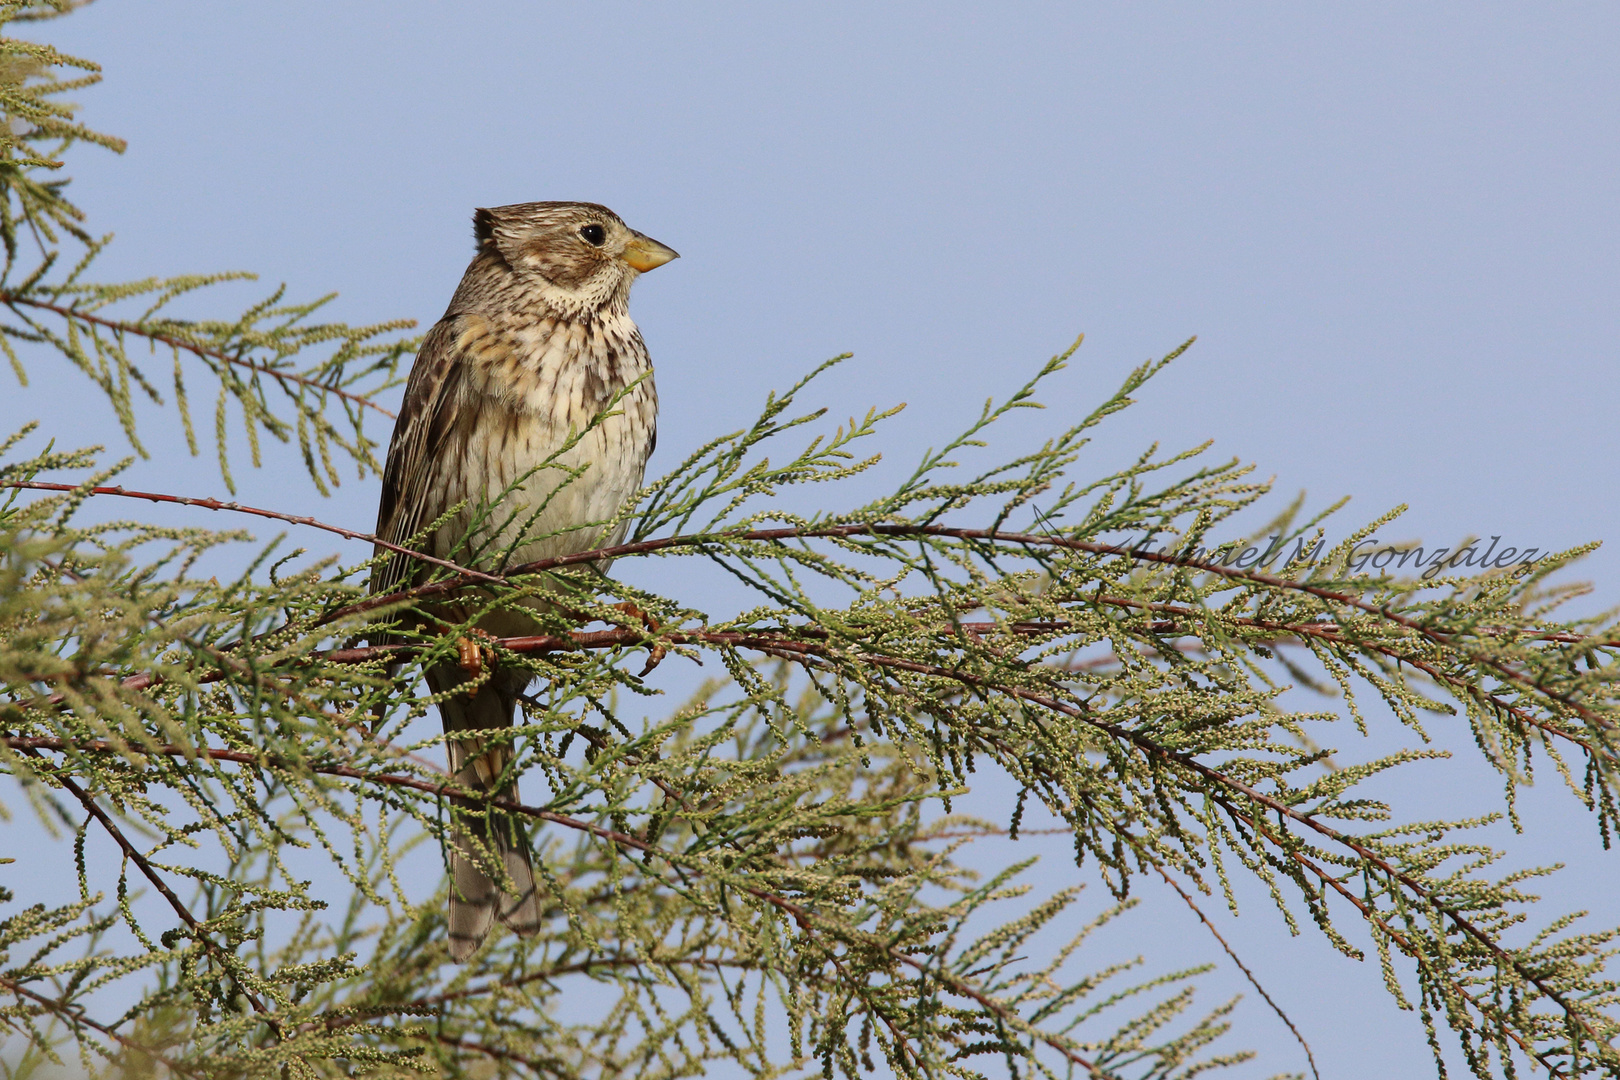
point(76, 1016)
point(240, 508)
point(1241, 966)
point(150, 873)
point(13, 300)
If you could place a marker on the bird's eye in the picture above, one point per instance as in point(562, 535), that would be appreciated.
point(593, 234)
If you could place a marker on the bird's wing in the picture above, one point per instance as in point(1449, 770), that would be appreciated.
point(428, 415)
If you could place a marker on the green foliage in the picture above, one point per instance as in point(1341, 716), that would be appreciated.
point(257, 359)
point(768, 875)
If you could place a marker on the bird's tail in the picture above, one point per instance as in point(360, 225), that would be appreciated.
point(488, 853)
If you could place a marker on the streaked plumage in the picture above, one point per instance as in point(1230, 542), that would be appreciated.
point(536, 342)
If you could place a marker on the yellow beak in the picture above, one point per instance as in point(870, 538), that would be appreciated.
point(644, 253)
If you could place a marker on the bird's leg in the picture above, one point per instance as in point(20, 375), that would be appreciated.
point(655, 655)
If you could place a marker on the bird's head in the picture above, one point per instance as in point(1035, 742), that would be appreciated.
point(579, 256)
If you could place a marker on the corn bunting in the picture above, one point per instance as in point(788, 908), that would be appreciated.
point(537, 342)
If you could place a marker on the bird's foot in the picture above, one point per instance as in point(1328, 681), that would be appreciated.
point(655, 655)
point(474, 655)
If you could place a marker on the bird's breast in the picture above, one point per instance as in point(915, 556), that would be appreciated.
point(534, 445)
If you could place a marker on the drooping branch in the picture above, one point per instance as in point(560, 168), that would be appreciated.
point(227, 960)
point(803, 917)
point(14, 300)
point(1367, 856)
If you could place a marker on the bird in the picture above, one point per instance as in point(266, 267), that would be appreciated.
point(535, 346)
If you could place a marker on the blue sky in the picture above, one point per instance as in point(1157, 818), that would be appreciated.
point(1393, 228)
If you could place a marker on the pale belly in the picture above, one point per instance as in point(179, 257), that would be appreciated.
point(531, 496)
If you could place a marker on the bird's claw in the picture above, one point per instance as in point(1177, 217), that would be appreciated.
point(656, 654)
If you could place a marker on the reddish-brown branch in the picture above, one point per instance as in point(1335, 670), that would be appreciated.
point(1033, 540)
point(780, 644)
point(579, 640)
point(494, 1052)
point(76, 1016)
point(276, 515)
point(13, 300)
point(464, 575)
